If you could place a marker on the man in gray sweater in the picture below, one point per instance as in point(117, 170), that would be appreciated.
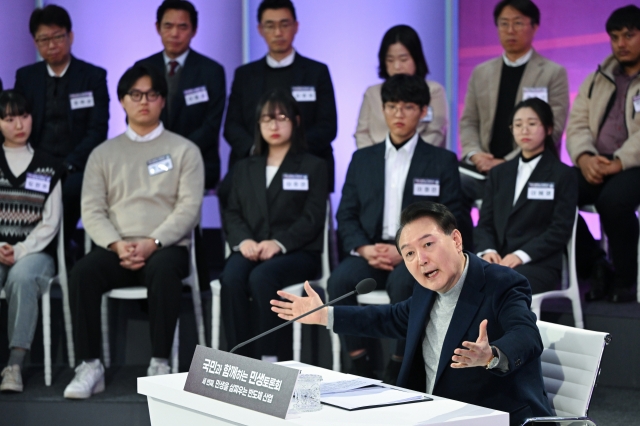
point(141, 198)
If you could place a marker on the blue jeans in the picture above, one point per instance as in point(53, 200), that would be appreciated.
point(24, 282)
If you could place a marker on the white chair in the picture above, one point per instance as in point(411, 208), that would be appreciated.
point(590, 208)
point(570, 368)
point(61, 280)
point(293, 289)
point(131, 293)
point(570, 288)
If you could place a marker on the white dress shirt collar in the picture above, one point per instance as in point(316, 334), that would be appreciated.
point(525, 168)
point(146, 138)
point(53, 74)
point(520, 61)
point(285, 62)
point(180, 59)
point(409, 147)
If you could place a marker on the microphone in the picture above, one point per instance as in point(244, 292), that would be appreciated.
point(363, 287)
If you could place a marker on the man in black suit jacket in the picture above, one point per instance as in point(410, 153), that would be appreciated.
point(381, 181)
point(197, 89)
point(69, 103)
point(308, 80)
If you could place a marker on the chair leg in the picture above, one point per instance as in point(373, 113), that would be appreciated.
point(335, 347)
point(46, 330)
point(68, 325)
point(174, 349)
point(106, 350)
point(215, 314)
point(197, 310)
point(297, 341)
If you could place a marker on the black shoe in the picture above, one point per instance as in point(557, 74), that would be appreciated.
point(622, 295)
point(391, 372)
point(601, 277)
point(362, 367)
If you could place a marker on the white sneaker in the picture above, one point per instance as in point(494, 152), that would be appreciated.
point(158, 368)
point(11, 379)
point(89, 379)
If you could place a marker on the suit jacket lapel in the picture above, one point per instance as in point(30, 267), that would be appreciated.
point(504, 205)
point(75, 86)
point(419, 161)
point(494, 88)
point(258, 178)
point(468, 304)
point(377, 178)
point(421, 304)
point(158, 62)
point(539, 174)
point(531, 74)
point(290, 164)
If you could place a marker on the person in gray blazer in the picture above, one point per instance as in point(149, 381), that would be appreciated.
point(495, 87)
point(529, 203)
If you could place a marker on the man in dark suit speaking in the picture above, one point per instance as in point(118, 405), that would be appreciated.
point(197, 90)
point(309, 82)
point(470, 334)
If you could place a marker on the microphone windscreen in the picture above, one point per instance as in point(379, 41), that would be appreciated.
point(366, 286)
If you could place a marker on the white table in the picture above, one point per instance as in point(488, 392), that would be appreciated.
point(169, 404)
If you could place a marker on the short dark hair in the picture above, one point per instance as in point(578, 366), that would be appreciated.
point(526, 7)
point(13, 103)
point(135, 73)
point(443, 217)
point(624, 17)
point(281, 99)
point(49, 15)
point(178, 5)
point(406, 88)
point(408, 37)
point(545, 114)
point(276, 4)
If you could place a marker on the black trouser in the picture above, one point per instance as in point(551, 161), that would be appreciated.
point(616, 200)
point(71, 194)
point(100, 271)
point(247, 289)
point(352, 270)
point(541, 278)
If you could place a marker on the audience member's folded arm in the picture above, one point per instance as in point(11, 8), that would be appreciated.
point(236, 228)
point(580, 138)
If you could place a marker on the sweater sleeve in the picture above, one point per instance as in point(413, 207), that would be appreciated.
point(46, 230)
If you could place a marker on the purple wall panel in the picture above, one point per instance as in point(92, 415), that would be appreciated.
point(17, 48)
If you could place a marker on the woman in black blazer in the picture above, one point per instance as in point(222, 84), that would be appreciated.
point(529, 204)
point(273, 224)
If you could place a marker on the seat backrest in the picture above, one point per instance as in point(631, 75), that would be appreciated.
point(570, 366)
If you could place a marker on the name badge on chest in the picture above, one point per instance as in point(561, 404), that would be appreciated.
point(293, 182)
point(196, 95)
point(159, 165)
point(429, 117)
point(39, 183)
point(535, 92)
point(540, 191)
point(426, 187)
point(636, 103)
point(303, 93)
point(81, 100)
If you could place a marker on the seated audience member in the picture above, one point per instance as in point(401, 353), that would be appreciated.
point(401, 53)
point(603, 140)
point(529, 203)
point(273, 223)
point(69, 102)
point(381, 180)
point(495, 87)
point(141, 198)
point(470, 333)
point(197, 90)
point(30, 209)
point(283, 66)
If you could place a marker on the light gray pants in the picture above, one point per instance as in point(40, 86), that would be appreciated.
point(24, 283)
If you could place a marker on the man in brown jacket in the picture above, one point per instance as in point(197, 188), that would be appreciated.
point(603, 139)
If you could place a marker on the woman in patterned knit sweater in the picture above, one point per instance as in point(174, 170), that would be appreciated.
point(30, 210)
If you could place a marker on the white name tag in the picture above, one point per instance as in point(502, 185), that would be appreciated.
point(426, 187)
point(535, 92)
point(636, 103)
point(81, 100)
point(38, 183)
point(293, 182)
point(196, 95)
point(540, 191)
point(429, 117)
point(159, 165)
point(304, 93)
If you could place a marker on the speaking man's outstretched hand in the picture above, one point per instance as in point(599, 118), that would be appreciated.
point(476, 354)
point(299, 305)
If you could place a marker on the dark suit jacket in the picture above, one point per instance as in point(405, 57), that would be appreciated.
point(361, 208)
point(319, 118)
point(294, 218)
point(492, 292)
point(200, 123)
point(88, 126)
point(540, 228)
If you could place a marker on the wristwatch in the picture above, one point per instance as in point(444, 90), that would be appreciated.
point(158, 243)
point(493, 362)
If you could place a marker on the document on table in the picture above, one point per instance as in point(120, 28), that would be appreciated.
point(370, 397)
point(332, 381)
